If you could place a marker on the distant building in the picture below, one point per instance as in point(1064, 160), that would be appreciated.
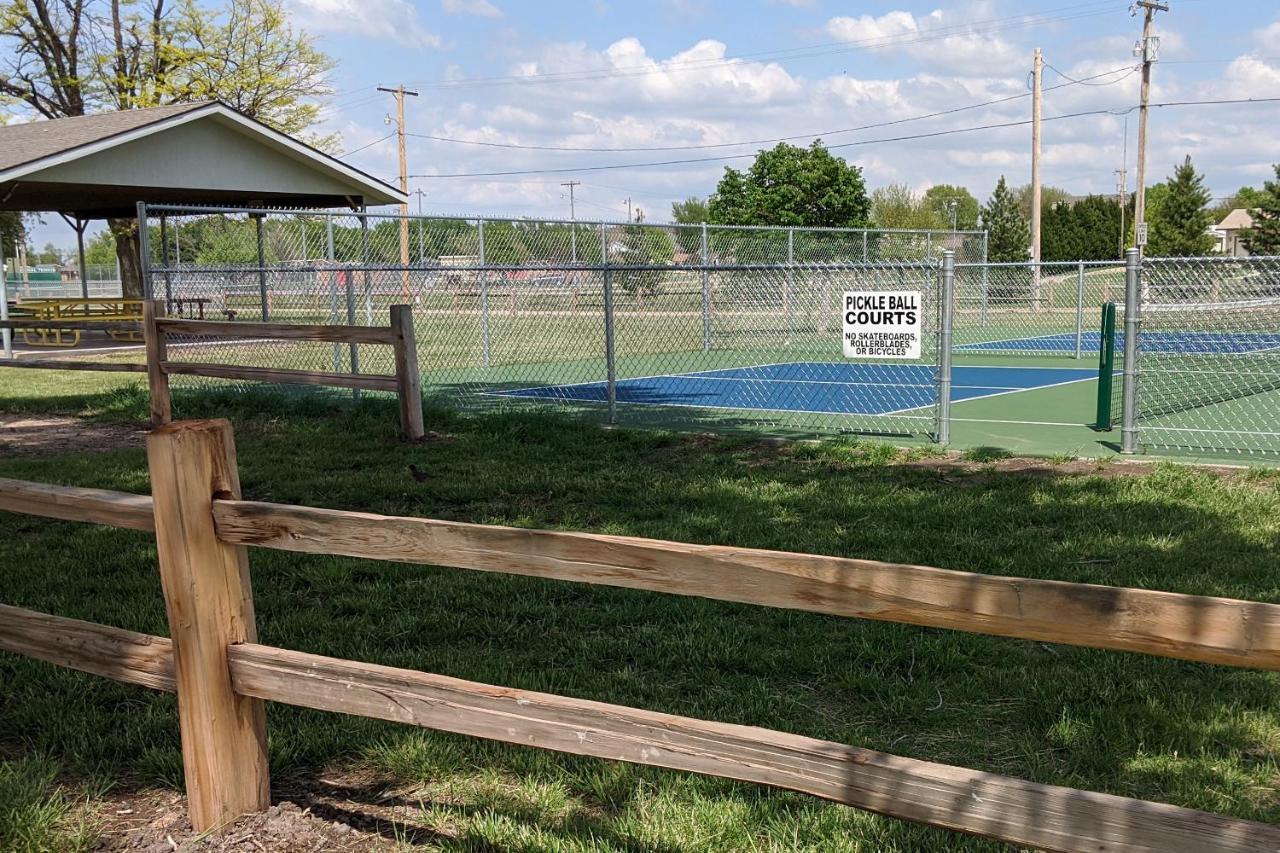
point(1230, 233)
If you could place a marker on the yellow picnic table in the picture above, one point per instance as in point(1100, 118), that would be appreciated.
point(128, 312)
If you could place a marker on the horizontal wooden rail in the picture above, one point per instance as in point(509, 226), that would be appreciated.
point(280, 331)
point(72, 503)
point(73, 364)
point(112, 653)
point(970, 801)
point(369, 382)
point(1167, 624)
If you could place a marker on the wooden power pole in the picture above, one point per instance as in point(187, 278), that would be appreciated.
point(400, 92)
point(1147, 50)
point(1036, 75)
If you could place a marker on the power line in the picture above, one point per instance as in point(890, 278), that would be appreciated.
point(370, 145)
point(1080, 10)
point(826, 133)
point(930, 135)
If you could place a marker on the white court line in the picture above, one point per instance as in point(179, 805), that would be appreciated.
point(1070, 336)
point(1002, 393)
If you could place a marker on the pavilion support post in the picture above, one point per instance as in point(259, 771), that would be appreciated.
point(80, 225)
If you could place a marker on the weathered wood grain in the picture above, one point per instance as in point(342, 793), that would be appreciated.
point(1190, 627)
point(210, 606)
point(970, 801)
point(71, 503)
point(97, 649)
point(279, 331)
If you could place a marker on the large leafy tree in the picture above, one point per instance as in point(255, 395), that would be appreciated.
point(1088, 230)
point(62, 58)
point(1179, 227)
point(787, 185)
point(941, 198)
point(1009, 237)
point(1264, 237)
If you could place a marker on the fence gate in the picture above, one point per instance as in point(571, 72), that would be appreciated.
point(1207, 352)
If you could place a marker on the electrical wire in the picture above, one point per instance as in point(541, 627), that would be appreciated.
point(905, 138)
point(824, 134)
point(370, 145)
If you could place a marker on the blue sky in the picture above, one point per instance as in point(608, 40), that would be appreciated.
point(672, 73)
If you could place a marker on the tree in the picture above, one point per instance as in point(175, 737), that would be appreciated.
point(897, 206)
point(1050, 197)
point(75, 57)
point(691, 211)
point(1246, 198)
point(1264, 237)
point(100, 249)
point(939, 199)
point(10, 233)
point(1008, 235)
point(787, 185)
point(1179, 227)
point(1088, 230)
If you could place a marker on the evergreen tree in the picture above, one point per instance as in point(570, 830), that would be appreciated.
point(1007, 232)
point(1179, 228)
point(1264, 237)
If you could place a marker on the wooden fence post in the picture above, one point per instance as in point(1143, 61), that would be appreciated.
point(210, 606)
point(408, 382)
point(157, 379)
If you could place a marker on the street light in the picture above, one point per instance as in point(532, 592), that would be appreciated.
point(952, 206)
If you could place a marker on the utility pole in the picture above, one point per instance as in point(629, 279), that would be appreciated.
point(573, 220)
point(421, 194)
point(1037, 71)
point(628, 208)
point(400, 92)
point(1122, 189)
point(1147, 50)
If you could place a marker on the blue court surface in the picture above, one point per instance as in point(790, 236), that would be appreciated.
point(837, 388)
point(1188, 343)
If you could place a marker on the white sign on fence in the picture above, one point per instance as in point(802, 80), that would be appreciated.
point(882, 324)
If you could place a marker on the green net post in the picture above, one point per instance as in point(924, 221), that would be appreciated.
point(1106, 366)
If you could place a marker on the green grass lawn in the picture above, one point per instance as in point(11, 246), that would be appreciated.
point(1196, 735)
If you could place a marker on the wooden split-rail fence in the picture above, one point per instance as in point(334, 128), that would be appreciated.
point(156, 329)
point(222, 674)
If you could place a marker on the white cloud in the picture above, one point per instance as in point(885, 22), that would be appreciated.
point(938, 40)
point(380, 19)
point(1268, 36)
point(482, 8)
point(796, 4)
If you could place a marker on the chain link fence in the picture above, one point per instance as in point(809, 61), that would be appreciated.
point(711, 326)
point(714, 327)
point(1207, 355)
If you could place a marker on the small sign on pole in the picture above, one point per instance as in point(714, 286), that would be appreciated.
point(1140, 234)
point(882, 324)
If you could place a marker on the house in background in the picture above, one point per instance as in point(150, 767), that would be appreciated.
point(1230, 233)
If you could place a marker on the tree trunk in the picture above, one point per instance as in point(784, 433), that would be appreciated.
point(126, 233)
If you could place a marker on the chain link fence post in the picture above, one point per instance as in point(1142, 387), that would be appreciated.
point(611, 372)
point(1079, 309)
point(1132, 324)
point(942, 432)
point(262, 267)
point(986, 280)
point(485, 350)
point(789, 285)
point(6, 335)
point(333, 287)
point(706, 294)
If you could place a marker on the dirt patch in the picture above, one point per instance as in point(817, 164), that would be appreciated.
point(45, 435)
point(346, 814)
